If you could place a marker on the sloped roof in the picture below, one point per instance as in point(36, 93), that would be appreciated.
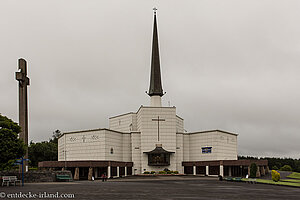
point(159, 150)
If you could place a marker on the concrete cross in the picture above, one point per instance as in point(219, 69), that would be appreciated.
point(158, 120)
point(83, 138)
point(21, 77)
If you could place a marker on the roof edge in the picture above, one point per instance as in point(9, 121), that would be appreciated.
point(208, 131)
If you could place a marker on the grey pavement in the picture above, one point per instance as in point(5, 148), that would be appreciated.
point(159, 188)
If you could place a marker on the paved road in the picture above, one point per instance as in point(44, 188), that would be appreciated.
point(160, 188)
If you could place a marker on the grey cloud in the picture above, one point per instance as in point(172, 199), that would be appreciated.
point(229, 65)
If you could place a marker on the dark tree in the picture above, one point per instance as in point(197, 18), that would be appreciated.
point(44, 151)
point(11, 147)
point(277, 163)
point(253, 170)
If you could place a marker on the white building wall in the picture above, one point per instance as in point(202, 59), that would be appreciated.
point(179, 152)
point(179, 125)
point(186, 147)
point(224, 146)
point(149, 138)
point(113, 146)
point(136, 152)
point(123, 123)
point(61, 148)
point(84, 145)
point(227, 146)
point(95, 145)
point(127, 149)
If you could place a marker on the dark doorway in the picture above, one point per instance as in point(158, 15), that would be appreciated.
point(200, 170)
point(113, 171)
point(214, 170)
point(188, 169)
point(122, 171)
point(102, 170)
point(237, 171)
point(83, 173)
point(129, 170)
point(226, 170)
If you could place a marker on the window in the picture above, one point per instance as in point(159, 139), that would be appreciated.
point(206, 149)
point(111, 150)
point(159, 159)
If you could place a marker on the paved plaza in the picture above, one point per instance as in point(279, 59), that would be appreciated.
point(186, 187)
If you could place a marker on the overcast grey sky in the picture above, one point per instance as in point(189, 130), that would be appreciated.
point(229, 64)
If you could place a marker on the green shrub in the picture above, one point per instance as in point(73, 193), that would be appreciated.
point(162, 172)
point(297, 169)
point(275, 167)
point(175, 172)
point(146, 172)
point(275, 176)
point(169, 172)
point(152, 172)
point(253, 170)
point(286, 168)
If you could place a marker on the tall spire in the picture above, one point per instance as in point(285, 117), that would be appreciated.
point(155, 88)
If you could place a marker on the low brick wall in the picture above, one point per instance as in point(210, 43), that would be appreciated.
point(36, 176)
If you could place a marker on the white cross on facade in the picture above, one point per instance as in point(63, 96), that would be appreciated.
point(158, 120)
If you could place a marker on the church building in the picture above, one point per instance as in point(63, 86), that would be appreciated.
point(152, 138)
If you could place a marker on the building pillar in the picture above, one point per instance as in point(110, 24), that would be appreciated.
point(258, 172)
point(229, 171)
point(263, 172)
point(194, 170)
point(108, 172)
point(90, 174)
point(241, 171)
point(267, 170)
point(96, 172)
point(76, 174)
point(207, 170)
point(249, 171)
point(125, 171)
point(221, 170)
point(118, 171)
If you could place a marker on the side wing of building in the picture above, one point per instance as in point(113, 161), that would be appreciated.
point(98, 144)
point(210, 145)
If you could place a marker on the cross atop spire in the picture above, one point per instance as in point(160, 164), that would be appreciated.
point(155, 88)
point(154, 10)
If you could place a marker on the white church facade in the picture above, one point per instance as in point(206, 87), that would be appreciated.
point(151, 139)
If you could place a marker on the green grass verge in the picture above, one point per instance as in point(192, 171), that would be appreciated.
point(287, 183)
point(294, 175)
point(291, 180)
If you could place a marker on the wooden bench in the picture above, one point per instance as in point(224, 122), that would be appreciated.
point(62, 177)
point(10, 180)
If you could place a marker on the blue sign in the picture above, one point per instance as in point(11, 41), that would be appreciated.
point(206, 149)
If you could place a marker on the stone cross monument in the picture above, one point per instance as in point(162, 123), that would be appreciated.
point(21, 76)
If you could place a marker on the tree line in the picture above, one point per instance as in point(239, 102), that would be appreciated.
point(277, 163)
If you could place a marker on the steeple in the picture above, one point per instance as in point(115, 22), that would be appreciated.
point(155, 88)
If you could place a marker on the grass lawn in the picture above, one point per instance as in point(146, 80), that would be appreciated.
point(288, 183)
point(291, 180)
point(294, 175)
